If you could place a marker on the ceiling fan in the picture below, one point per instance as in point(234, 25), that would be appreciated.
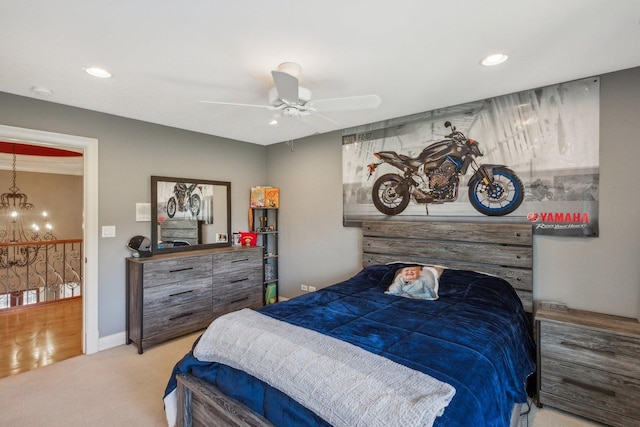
point(288, 99)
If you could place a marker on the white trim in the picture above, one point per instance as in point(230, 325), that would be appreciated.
point(90, 148)
point(111, 341)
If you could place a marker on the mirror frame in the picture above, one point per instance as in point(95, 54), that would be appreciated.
point(155, 181)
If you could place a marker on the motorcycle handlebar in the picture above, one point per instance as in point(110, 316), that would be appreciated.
point(456, 135)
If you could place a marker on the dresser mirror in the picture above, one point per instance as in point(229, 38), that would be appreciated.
point(189, 214)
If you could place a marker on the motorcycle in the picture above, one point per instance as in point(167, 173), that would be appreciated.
point(539, 191)
point(434, 177)
point(184, 200)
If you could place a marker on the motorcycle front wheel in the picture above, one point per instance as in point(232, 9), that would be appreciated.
point(195, 205)
point(506, 196)
point(171, 207)
point(389, 195)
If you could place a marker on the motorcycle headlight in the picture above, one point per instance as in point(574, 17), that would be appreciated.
point(475, 148)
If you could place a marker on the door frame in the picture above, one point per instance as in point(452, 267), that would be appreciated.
point(91, 336)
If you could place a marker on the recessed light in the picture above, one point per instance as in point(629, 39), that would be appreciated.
point(273, 122)
point(97, 72)
point(42, 91)
point(495, 59)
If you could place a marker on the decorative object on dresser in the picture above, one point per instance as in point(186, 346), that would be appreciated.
point(175, 294)
point(265, 197)
point(265, 224)
point(588, 364)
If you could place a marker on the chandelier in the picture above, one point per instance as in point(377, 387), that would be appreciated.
point(15, 210)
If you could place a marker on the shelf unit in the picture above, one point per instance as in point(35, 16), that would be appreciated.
point(265, 225)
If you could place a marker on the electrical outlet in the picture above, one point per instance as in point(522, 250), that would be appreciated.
point(304, 288)
point(312, 288)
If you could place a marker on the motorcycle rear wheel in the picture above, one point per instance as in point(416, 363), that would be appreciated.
point(389, 195)
point(506, 197)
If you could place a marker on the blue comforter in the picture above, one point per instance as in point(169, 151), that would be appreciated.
point(474, 337)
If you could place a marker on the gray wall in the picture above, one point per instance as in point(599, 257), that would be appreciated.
point(600, 274)
point(130, 152)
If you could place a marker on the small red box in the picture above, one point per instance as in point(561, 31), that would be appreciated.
point(248, 238)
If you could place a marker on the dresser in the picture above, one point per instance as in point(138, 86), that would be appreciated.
point(174, 294)
point(589, 364)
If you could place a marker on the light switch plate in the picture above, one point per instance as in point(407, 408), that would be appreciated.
point(108, 231)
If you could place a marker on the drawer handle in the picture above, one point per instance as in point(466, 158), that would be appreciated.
point(240, 280)
point(241, 260)
point(181, 315)
point(180, 269)
point(238, 300)
point(180, 293)
point(589, 387)
point(582, 347)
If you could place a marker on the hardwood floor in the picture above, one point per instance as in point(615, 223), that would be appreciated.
point(40, 335)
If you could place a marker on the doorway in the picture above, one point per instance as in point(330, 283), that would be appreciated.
point(90, 334)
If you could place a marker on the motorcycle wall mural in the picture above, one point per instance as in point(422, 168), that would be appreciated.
point(535, 159)
point(434, 176)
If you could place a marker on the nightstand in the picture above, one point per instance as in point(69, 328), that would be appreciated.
point(589, 365)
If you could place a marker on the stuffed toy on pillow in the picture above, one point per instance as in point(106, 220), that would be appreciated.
point(418, 282)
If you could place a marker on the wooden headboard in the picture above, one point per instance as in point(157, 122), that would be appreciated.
point(501, 249)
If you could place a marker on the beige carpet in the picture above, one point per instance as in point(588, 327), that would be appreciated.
point(118, 387)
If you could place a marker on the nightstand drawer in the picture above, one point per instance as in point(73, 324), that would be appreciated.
point(616, 394)
point(619, 353)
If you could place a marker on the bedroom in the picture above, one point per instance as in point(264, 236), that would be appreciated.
point(576, 271)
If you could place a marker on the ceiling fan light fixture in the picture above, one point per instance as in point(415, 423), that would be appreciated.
point(290, 68)
point(494, 59)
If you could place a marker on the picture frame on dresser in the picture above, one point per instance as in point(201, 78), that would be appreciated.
point(189, 214)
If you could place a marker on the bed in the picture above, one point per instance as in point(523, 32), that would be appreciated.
point(474, 341)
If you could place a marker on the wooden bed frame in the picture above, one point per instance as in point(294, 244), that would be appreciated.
point(501, 249)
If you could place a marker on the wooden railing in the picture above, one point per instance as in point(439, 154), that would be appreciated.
point(43, 271)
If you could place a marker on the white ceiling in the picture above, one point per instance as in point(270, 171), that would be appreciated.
point(417, 55)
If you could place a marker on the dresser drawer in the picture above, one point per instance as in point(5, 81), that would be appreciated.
point(591, 347)
point(196, 293)
point(232, 263)
point(592, 388)
point(174, 321)
point(177, 270)
point(236, 299)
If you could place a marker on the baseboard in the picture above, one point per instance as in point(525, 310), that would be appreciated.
point(283, 298)
point(111, 341)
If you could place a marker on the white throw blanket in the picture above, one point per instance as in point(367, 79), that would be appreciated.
point(340, 382)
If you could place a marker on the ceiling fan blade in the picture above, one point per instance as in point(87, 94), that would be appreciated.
point(362, 102)
point(237, 104)
point(316, 114)
point(286, 85)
